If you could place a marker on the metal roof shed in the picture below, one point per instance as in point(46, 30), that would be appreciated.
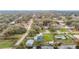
point(60, 37)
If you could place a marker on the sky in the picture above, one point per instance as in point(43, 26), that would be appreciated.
point(39, 4)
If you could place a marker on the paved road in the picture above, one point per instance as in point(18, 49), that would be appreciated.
point(25, 35)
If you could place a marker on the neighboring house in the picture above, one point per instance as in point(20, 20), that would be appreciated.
point(76, 40)
point(39, 37)
point(69, 27)
point(12, 23)
point(29, 43)
point(51, 42)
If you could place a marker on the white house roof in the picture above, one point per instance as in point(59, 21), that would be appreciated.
point(68, 27)
point(38, 35)
point(76, 36)
point(51, 42)
point(29, 42)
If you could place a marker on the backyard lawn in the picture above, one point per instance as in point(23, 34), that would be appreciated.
point(48, 37)
point(67, 41)
point(63, 30)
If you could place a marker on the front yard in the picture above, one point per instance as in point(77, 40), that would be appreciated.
point(51, 37)
point(6, 43)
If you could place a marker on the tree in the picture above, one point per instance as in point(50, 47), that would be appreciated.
point(15, 30)
point(76, 25)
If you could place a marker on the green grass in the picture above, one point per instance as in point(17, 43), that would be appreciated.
point(67, 41)
point(5, 43)
point(48, 37)
point(13, 37)
point(63, 30)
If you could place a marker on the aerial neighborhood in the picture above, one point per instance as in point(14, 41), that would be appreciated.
point(39, 29)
